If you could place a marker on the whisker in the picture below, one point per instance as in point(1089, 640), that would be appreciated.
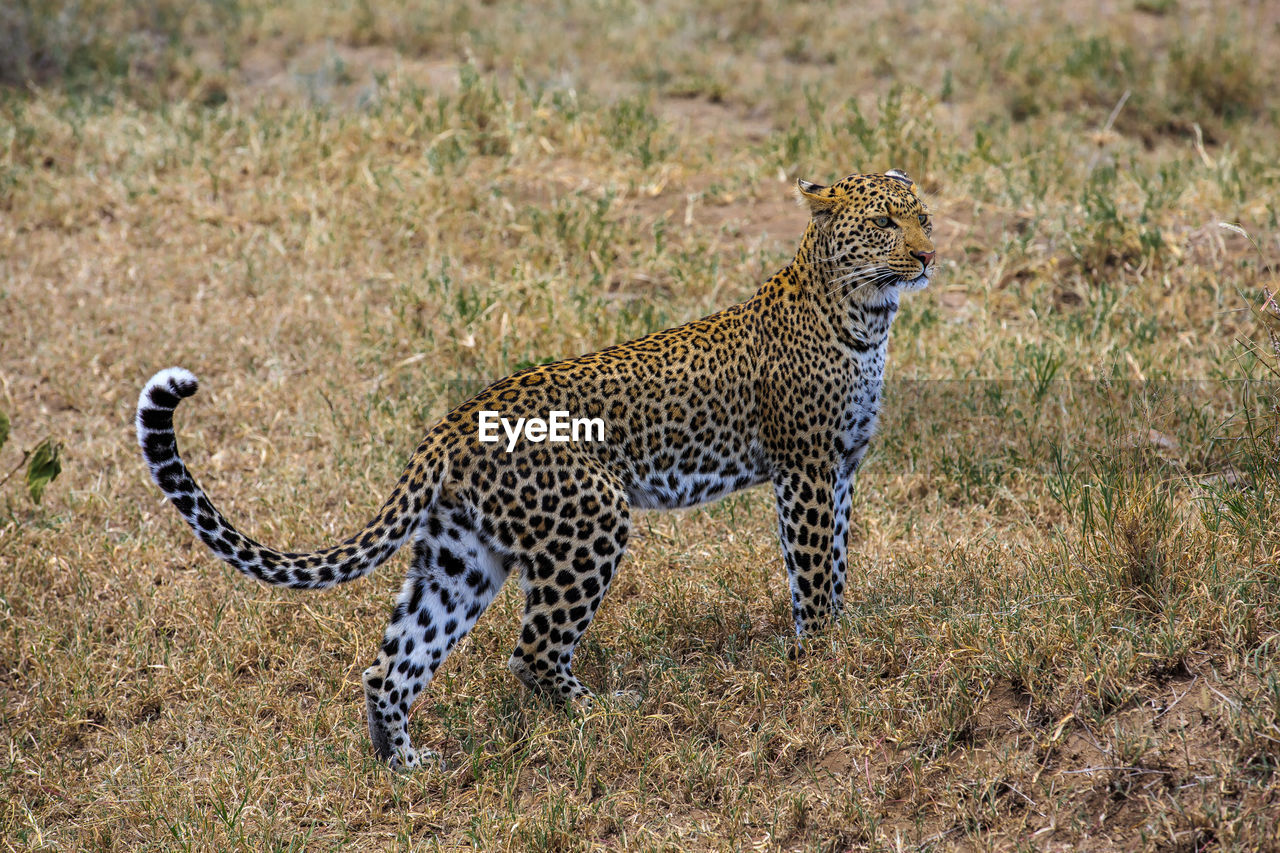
point(839, 288)
point(844, 294)
point(861, 272)
point(852, 267)
point(850, 281)
point(865, 273)
point(850, 272)
point(884, 277)
point(857, 269)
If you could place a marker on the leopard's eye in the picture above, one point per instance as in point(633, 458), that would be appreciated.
point(881, 221)
point(924, 220)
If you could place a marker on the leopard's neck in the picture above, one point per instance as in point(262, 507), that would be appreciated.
point(859, 308)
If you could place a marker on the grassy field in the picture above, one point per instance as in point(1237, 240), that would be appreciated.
point(1063, 619)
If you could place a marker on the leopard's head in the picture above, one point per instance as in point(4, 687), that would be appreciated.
point(869, 235)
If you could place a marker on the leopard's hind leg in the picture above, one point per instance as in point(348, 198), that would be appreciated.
point(564, 580)
point(454, 577)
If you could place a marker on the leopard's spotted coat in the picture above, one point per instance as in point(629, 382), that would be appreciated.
point(783, 388)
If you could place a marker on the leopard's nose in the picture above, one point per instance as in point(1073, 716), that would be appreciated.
point(925, 258)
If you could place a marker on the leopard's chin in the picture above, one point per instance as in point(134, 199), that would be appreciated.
point(920, 282)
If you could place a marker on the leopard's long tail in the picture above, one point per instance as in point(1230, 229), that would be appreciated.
point(354, 557)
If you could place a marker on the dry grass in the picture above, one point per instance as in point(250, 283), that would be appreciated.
point(1064, 611)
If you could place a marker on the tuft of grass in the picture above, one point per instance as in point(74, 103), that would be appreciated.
point(129, 46)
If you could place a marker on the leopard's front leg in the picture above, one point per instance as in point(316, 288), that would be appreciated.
point(842, 506)
point(809, 517)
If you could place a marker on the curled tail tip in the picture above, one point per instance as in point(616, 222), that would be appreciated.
point(159, 397)
point(177, 381)
point(167, 388)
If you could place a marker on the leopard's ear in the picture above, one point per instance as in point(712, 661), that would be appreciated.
point(816, 196)
point(899, 175)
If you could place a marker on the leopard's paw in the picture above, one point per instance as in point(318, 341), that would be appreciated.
point(407, 758)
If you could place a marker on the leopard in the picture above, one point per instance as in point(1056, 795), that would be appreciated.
point(784, 388)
